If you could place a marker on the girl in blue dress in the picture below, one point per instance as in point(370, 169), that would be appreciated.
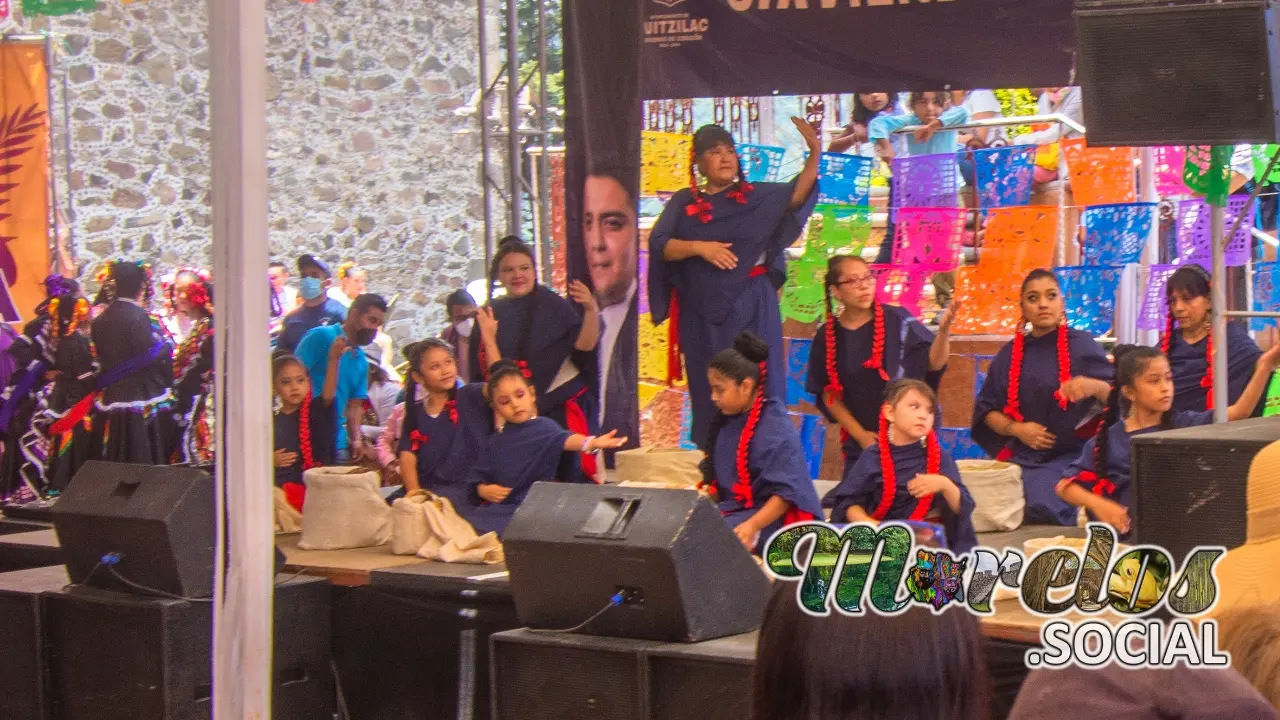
point(525, 449)
point(1022, 415)
point(1099, 479)
point(755, 467)
point(443, 434)
point(909, 476)
point(1189, 347)
point(717, 262)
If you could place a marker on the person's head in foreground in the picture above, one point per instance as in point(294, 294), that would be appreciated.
point(1076, 693)
point(915, 665)
point(1252, 636)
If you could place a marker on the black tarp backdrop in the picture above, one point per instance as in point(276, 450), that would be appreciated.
point(601, 190)
point(726, 48)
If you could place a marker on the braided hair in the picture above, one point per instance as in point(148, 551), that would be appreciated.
point(1131, 361)
point(415, 353)
point(709, 137)
point(1191, 281)
point(835, 388)
point(893, 394)
point(512, 245)
point(1013, 403)
point(746, 360)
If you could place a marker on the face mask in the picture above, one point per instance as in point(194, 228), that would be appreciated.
point(464, 327)
point(364, 336)
point(310, 288)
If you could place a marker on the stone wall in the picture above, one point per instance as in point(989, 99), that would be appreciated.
point(363, 160)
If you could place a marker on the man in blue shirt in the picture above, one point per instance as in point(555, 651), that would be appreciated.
point(363, 320)
point(317, 308)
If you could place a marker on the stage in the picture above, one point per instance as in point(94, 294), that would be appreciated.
point(411, 638)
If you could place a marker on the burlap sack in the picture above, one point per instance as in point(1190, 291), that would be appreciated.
point(409, 529)
point(343, 510)
point(671, 466)
point(288, 520)
point(452, 539)
point(996, 487)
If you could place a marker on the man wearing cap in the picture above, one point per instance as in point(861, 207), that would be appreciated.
point(317, 309)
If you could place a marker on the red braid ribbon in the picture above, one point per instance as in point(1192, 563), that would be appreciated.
point(835, 388)
point(417, 440)
point(876, 361)
point(1206, 382)
point(575, 420)
point(304, 436)
point(451, 407)
point(1101, 486)
point(698, 206)
point(294, 494)
point(742, 487)
point(932, 466)
point(1011, 403)
point(1064, 364)
point(675, 370)
point(1168, 334)
point(887, 472)
point(739, 192)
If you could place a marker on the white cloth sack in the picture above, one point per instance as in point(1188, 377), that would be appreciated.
point(409, 529)
point(288, 520)
point(672, 467)
point(343, 509)
point(452, 539)
point(996, 487)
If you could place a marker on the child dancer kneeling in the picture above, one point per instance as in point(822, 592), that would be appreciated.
point(755, 466)
point(1099, 479)
point(908, 476)
point(525, 450)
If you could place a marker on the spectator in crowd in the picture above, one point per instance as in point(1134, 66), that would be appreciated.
point(383, 392)
point(362, 323)
point(872, 667)
point(1252, 637)
point(461, 309)
point(866, 107)
point(316, 310)
point(352, 283)
point(286, 297)
point(1113, 691)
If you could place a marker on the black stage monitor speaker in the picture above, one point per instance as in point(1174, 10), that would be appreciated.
point(158, 519)
point(1190, 485)
point(1178, 72)
point(683, 573)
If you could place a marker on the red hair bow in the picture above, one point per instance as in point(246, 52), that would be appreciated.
point(701, 208)
point(739, 193)
point(524, 369)
point(416, 440)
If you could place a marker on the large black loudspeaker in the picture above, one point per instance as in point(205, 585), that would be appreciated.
point(1190, 485)
point(1178, 72)
point(159, 519)
point(685, 576)
point(22, 642)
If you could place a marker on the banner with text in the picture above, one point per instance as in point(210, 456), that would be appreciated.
point(601, 191)
point(721, 48)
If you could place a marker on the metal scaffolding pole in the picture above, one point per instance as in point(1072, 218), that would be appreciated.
point(1218, 290)
point(513, 118)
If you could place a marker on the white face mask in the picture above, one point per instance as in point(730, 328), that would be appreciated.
point(464, 327)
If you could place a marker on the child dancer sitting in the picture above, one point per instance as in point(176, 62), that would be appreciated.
point(305, 427)
point(1099, 480)
point(755, 466)
point(909, 476)
point(443, 433)
point(525, 450)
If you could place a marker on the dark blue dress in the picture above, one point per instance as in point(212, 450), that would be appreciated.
point(548, 344)
point(777, 466)
point(516, 457)
point(717, 305)
point(1117, 469)
point(906, 347)
point(1041, 470)
point(1189, 362)
point(863, 486)
point(447, 456)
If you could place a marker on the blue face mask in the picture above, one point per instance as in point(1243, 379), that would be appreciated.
point(311, 288)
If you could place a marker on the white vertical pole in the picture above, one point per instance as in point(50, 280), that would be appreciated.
point(243, 597)
point(1217, 224)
